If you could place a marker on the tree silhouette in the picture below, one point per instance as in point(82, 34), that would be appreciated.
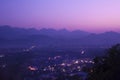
point(107, 67)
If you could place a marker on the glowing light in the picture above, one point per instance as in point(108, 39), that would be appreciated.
point(83, 52)
point(3, 66)
point(78, 67)
point(68, 64)
point(82, 61)
point(76, 62)
point(56, 57)
point(49, 58)
point(86, 61)
point(2, 56)
point(63, 64)
point(32, 68)
point(63, 70)
point(44, 69)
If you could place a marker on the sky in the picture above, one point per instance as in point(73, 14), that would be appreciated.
point(87, 15)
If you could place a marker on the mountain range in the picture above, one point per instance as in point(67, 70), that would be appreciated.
point(20, 37)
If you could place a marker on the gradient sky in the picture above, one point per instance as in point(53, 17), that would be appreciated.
point(88, 15)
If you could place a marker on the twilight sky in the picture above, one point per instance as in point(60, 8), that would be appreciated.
point(88, 15)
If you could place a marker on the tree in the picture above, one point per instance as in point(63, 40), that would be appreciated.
point(107, 67)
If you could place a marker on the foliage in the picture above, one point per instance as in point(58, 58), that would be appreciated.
point(108, 67)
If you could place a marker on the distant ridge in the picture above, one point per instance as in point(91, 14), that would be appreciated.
point(10, 36)
point(51, 32)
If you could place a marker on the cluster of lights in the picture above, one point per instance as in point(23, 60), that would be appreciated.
point(65, 66)
point(51, 68)
point(32, 47)
point(54, 58)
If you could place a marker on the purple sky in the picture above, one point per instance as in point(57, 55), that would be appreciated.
point(88, 15)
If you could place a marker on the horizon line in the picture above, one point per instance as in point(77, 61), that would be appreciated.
point(59, 29)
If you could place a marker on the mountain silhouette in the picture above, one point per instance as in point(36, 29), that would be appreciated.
point(10, 36)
